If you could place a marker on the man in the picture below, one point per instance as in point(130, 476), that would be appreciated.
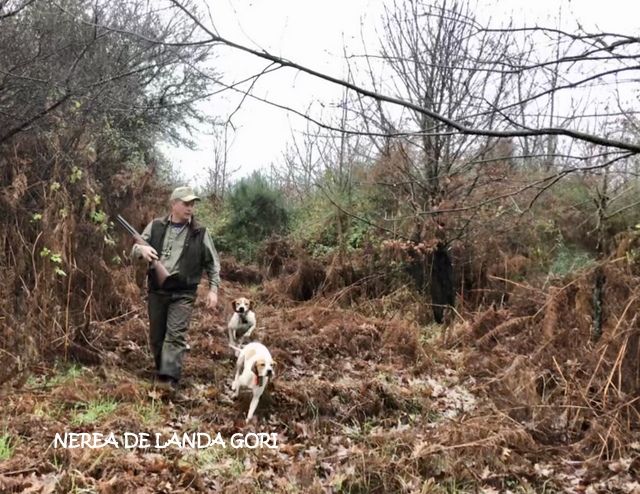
point(186, 250)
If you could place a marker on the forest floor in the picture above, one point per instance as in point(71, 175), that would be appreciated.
point(358, 405)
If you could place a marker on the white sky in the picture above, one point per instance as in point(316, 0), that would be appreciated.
point(313, 33)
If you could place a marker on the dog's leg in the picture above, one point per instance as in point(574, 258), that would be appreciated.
point(235, 386)
point(248, 333)
point(232, 335)
point(254, 402)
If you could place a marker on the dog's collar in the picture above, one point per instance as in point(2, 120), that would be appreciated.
point(243, 317)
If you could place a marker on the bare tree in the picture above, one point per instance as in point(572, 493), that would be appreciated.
point(439, 61)
point(303, 162)
point(55, 56)
point(217, 175)
point(598, 43)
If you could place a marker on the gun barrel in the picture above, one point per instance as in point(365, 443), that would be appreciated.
point(125, 224)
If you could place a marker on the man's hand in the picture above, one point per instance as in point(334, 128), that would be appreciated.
point(212, 300)
point(147, 252)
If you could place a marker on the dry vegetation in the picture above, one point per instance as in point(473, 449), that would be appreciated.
point(532, 384)
point(519, 399)
point(518, 393)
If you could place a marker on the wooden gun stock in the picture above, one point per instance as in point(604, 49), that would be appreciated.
point(159, 271)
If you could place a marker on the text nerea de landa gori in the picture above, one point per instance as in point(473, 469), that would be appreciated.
point(146, 440)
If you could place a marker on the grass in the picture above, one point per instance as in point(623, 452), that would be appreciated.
point(6, 446)
point(217, 460)
point(430, 333)
point(357, 430)
point(93, 411)
point(314, 412)
point(48, 410)
point(149, 412)
point(63, 374)
point(34, 381)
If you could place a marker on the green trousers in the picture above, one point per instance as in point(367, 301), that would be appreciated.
point(169, 316)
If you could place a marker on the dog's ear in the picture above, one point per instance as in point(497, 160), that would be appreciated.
point(233, 304)
point(252, 305)
point(254, 368)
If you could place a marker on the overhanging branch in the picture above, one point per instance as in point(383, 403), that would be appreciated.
point(463, 129)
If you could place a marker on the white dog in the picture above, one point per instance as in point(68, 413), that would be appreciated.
point(254, 370)
point(242, 322)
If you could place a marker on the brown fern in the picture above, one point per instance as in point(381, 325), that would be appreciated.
point(502, 329)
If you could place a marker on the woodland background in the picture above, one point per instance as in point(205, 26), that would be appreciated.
point(464, 239)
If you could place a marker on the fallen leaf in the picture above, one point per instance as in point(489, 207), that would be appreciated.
point(621, 465)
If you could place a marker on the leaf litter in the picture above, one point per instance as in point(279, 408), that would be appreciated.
point(513, 402)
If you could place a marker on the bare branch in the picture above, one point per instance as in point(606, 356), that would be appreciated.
point(14, 12)
point(460, 127)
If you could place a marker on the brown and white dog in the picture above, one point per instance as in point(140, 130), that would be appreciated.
point(254, 370)
point(242, 322)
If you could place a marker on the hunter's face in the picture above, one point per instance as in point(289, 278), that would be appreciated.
point(181, 211)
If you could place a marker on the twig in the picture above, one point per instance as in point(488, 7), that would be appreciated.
point(121, 316)
point(18, 472)
point(526, 287)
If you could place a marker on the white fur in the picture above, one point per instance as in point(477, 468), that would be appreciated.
point(252, 358)
point(243, 321)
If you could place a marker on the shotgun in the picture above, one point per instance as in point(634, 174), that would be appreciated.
point(160, 272)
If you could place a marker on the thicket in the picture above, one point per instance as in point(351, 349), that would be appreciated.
point(82, 107)
point(369, 242)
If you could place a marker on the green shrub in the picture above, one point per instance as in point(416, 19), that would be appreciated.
point(254, 210)
point(568, 260)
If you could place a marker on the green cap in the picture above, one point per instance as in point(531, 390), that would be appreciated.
point(184, 194)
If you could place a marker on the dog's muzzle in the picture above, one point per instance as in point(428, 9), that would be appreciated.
point(260, 379)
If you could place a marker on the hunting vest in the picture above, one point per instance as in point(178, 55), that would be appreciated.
point(191, 260)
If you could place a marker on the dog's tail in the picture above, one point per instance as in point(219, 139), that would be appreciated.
point(235, 348)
